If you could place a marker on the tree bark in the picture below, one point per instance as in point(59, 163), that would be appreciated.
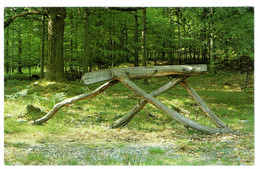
point(7, 63)
point(55, 63)
point(19, 52)
point(143, 72)
point(86, 57)
point(128, 117)
point(144, 38)
point(66, 102)
point(179, 33)
point(144, 56)
point(136, 40)
point(42, 47)
point(212, 53)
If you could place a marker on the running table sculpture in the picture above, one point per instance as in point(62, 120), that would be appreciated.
point(123, 75)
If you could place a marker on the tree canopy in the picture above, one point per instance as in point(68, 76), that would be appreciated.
point(98, 38)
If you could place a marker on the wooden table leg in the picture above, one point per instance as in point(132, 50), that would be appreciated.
point(128, 117)
point(74, 99)
point(203, 105)
point(178, 117)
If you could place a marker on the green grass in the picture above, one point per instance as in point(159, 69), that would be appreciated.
point(89, 119)
point(156, 151)
point(34, 159)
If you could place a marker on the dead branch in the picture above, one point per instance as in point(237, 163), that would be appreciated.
point(66, 102)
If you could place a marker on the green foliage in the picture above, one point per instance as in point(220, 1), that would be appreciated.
point(156, 151)
point(35, 158)
point(12, 126)
point(216, 36)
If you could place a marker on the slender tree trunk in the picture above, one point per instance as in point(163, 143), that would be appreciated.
point(86, 58)
point(7, 63)
point(29, 52)
point(144, 38)
point(42, 48)
point(179, 33)
point(19, 70)
point(136, 40)
point(55, 63)
point(12, 56)
point(212, 54)
point(144, 43)
point(171, 51)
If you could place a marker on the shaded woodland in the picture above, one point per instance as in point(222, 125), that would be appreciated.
point(64, 43)
point(47, 50)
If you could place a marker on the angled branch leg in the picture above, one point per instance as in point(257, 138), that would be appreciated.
point(203, 105)
point(128, 117)
point(74, 99)
point(178, 117)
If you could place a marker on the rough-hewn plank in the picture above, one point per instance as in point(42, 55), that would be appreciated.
point(128, 117)
point(97, 76)
point(160, 71)
point(143, 72)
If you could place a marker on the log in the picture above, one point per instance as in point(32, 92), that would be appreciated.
point(128, 117)
point(178, 117)
point(74, 99)
point(203, 105)
point(143, 72)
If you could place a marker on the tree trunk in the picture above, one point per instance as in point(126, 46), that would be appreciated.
point(42, 48)
point(144, 38)
point(179, 33)
point(55, 63)
point(86, 57)
point(19, 70)
point(6, 48)
point(144, 58)
point(136, 40)
point(12, 55)
point(212, 54)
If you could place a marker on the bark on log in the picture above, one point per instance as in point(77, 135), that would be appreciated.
point(143, 72)
point(59, 105)
point(128, 117)
point(183, 120)
point(203, 105)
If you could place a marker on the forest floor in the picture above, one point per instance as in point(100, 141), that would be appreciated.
point(79, 134)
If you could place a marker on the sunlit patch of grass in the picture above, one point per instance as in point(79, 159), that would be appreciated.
point(156, 151)
point(11, 126)
point(34, 159)
point(16, 144)
point(54, 127)
point(64, 161)
point(19, 144)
